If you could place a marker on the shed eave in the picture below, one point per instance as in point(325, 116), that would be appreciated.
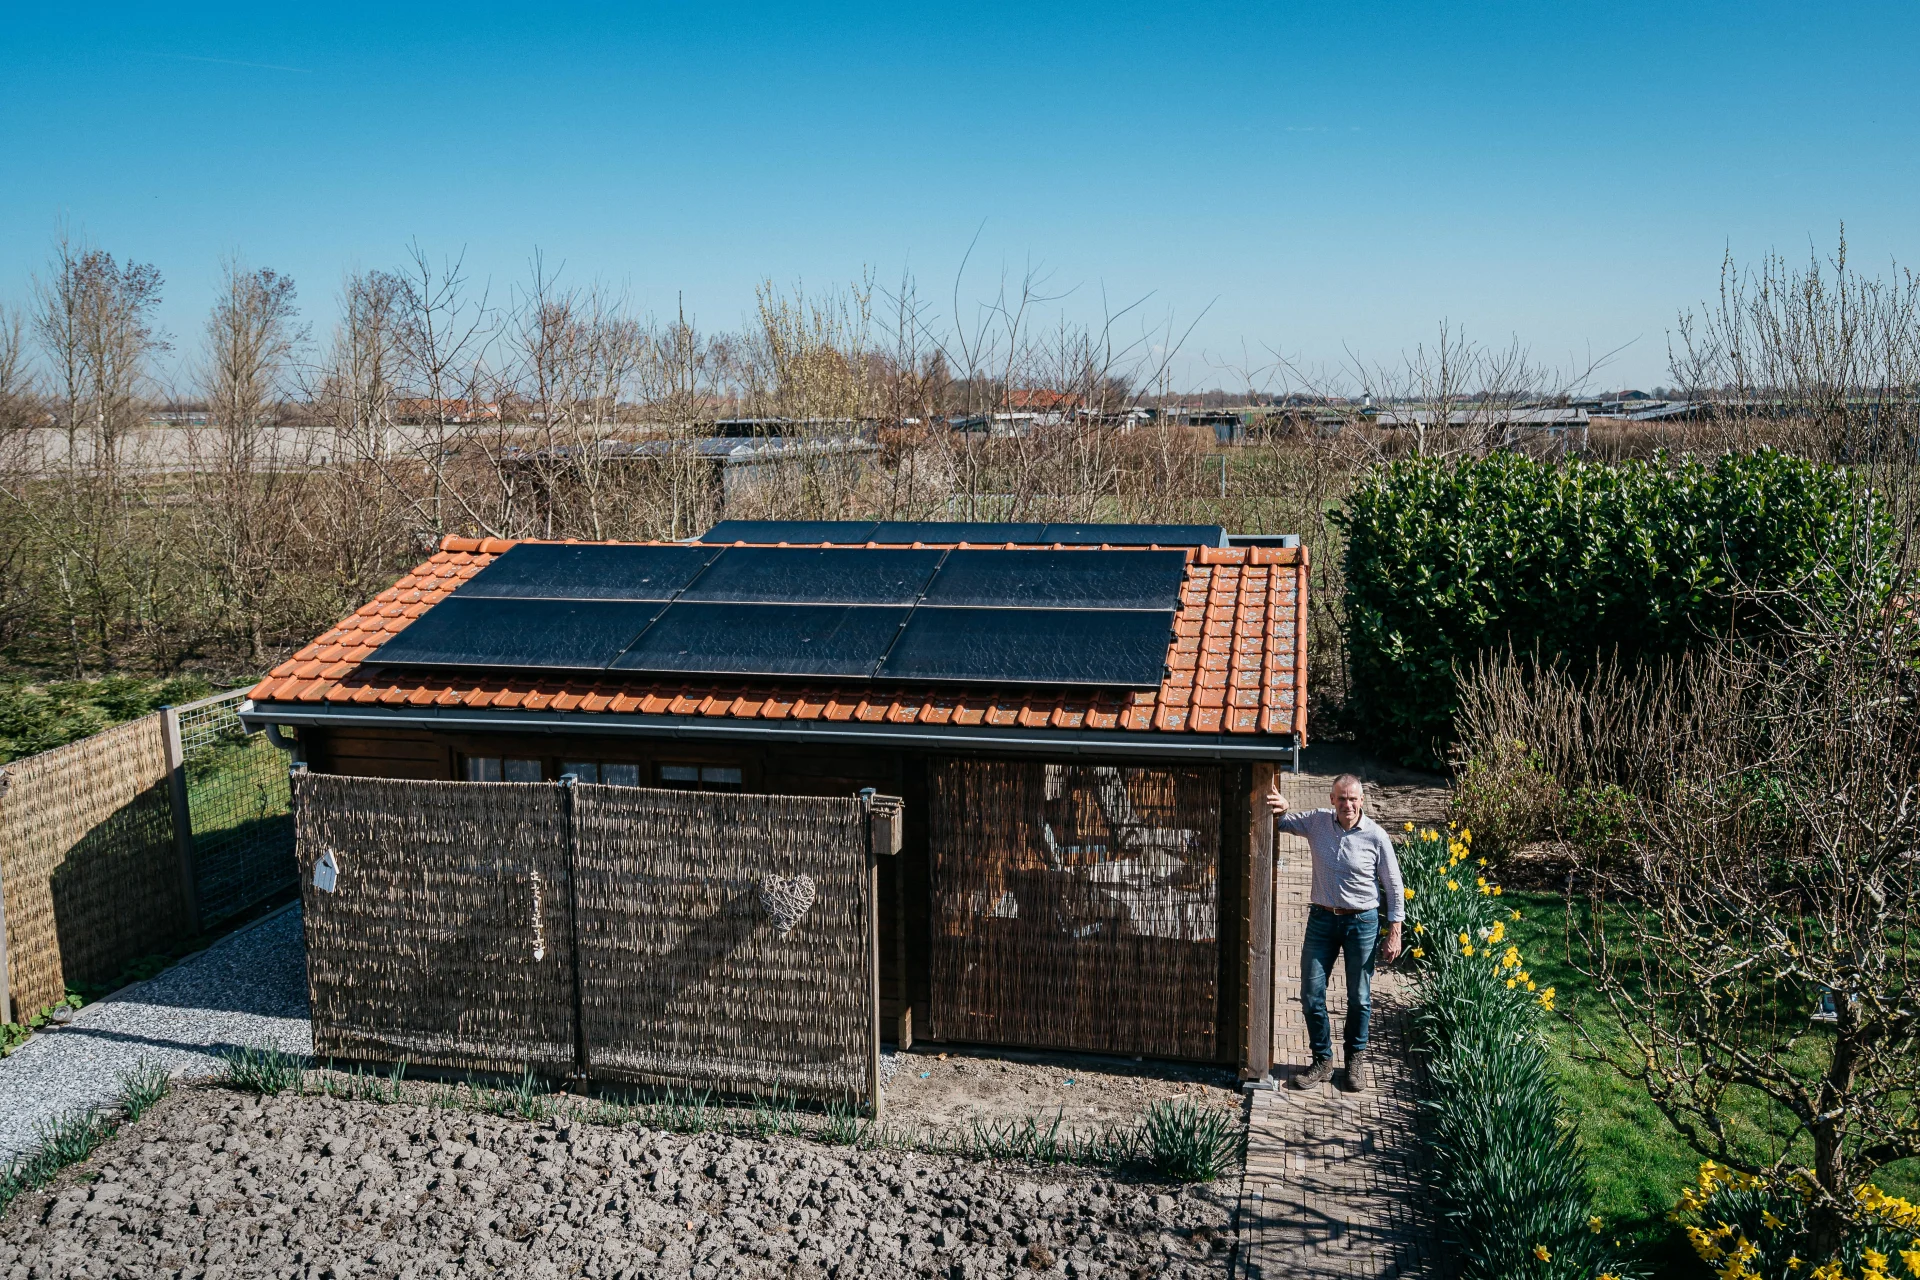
point(1191, 746)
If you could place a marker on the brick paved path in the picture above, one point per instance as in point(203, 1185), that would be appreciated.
point(1331, 1187)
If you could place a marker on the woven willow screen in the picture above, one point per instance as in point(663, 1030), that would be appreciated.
point(686, 975)
point(1075, 906)
point(447, 938)
point(88, 862)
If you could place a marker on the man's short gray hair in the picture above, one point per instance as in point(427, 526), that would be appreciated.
point(1344, 779)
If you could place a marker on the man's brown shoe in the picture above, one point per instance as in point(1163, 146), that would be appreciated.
point(1356, 1080)
point(1314, 1075)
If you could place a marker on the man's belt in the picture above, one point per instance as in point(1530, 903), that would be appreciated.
point(1346, 911)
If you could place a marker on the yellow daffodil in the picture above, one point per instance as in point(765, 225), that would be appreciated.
point(1513, 915)
point(1409, 826)
point(1912, 1258)
point(1772, 1223)
point(1793, 1264)
point(1510, 984)
point(1467, 950)
point(1540, 1252)
point(1593, 1224)
point(1483, 862)
point(1875, 1259)
point(1419, 928)
point(1409, 894)
point(1496, 891)
point(1465, 937)
point(1453, 886)
point(1529, 986)
point(1418, 953)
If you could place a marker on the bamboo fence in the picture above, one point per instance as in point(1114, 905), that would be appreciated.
point(88, 862)
point(686, 978)
point(614, 932)
point(1076, 907)
point(446, 938)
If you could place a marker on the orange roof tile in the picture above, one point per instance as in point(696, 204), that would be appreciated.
point(1234, 666)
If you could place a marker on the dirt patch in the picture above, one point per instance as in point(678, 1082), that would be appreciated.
point(944, 1087)
point(215, 1183)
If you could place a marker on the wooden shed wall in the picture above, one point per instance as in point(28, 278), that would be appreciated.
point(905, 934)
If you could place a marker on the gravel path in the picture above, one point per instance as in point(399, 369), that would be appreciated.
point(249, 989)
point(217, 1183)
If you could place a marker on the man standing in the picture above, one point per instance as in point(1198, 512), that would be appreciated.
point(1355, 873)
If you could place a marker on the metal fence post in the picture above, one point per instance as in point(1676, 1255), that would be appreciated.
point(182, 816)
point(568, 783)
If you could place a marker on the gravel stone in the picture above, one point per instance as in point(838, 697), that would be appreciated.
point(318, 1186)
point(247, 990)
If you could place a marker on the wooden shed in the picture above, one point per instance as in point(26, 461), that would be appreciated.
point(1081, 720)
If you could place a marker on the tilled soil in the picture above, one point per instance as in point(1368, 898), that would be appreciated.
point(219, 1184)
point(937, 1088)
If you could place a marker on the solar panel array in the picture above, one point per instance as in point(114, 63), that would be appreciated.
point(903, 532)
point(924, 615)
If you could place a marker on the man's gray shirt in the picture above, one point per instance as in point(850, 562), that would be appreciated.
point(1352, 869)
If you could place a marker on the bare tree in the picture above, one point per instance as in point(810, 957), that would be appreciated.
point(248, 471)
point(93, 319)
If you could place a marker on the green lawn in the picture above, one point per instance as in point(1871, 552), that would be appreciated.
point(1638, 1160)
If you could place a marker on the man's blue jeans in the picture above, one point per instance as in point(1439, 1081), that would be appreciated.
point(1329, 935)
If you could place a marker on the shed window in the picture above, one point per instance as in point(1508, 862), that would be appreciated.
point(700, 777)
point(496, 769)
point(610, 774)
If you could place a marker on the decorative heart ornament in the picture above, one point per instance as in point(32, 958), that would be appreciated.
point(785, 900)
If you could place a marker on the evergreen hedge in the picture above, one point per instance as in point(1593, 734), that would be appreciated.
point(1575, 560)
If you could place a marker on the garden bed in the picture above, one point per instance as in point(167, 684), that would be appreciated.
point(316, 1185)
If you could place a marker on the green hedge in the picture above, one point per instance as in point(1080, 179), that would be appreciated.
point(1576, 559)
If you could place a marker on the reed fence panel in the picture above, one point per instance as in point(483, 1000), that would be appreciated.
point(445, 940)
point(686, 977)
point(90, 871)
point(1076, 906)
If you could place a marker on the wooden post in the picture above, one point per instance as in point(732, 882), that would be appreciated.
point(6, 973)
point(883, 837)
point(182, 817)
point(1257, 1053)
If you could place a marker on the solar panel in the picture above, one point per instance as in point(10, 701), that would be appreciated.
point(561, 635)
point(825, 640)
point(1136, 535)
point(850, 532)
point(816, 575)
point(588, 571)
point(948, 531)
point(1060, 579)
point(1115, 649)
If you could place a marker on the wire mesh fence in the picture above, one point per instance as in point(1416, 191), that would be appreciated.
point(241, 809)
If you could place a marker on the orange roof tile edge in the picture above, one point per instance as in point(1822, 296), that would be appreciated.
point(1236, 664)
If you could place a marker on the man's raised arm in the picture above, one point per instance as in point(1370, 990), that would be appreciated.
point(1292, 823)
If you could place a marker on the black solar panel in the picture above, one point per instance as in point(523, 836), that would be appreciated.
point(824, 640)
point(816, 575)
point(845, 532)
point(1060, 579)
point(588, 571)
point(561, 635)
point(854, 532)
point(1136, 535)
point(1032, 646)
point(946, 531)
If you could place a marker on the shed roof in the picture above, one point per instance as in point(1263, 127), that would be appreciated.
point(1235, 669)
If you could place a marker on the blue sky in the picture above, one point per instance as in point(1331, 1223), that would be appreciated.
point(1316, 179)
